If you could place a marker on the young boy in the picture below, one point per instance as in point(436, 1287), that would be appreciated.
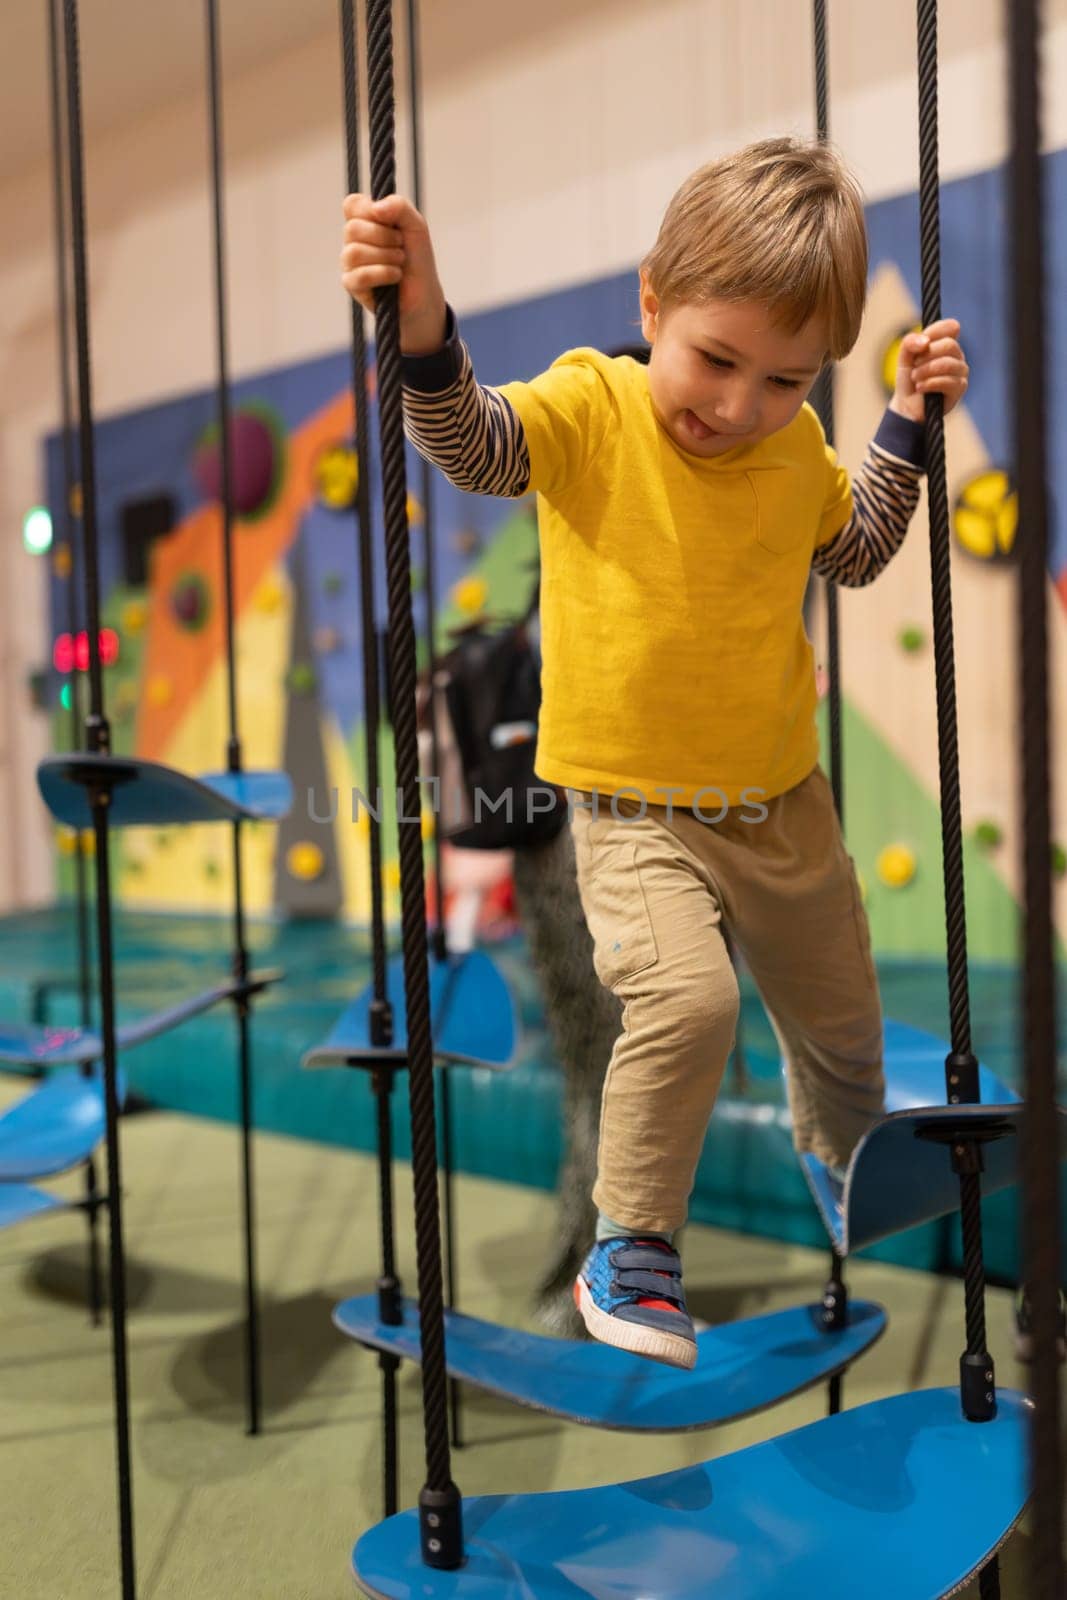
point(682, 508)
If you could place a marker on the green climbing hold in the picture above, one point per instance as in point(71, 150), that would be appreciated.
point(302, 677)
point(988, 835)
point(912, 639)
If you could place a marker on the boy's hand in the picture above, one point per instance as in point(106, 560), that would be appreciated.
point(387, 241)
point(930, 362)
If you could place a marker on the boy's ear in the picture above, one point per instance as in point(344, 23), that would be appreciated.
point(649, 308)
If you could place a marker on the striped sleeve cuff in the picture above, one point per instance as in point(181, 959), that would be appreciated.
point(439, 370)
point(902, 438)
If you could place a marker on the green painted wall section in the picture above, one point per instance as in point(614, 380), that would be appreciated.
point(886, 804)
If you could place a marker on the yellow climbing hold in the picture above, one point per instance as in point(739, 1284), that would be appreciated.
point(304, 860)
point(415, 517)
point(133, 616)
point(337, 476)
point(470, 595)
point(62, 561)
point(159, 692)
point(66, 841)
point(391, 876)
point(896, 865)
point(270, 596)
point(986, 516)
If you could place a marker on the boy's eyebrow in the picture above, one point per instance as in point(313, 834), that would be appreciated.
point(786, 372)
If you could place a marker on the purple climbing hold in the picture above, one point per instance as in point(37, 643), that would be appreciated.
point(254, 459)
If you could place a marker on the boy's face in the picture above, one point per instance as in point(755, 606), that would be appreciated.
point(722, 374)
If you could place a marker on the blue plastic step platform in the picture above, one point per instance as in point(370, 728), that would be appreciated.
point(53, 1047)
point(144, 792)
point(56, 1127)
point(472, 1015)
point(741, 1367)
point(901, 1497)
point(900, 1173)
point(20, 1201)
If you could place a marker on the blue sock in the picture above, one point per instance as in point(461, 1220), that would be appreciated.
point(607, 1229)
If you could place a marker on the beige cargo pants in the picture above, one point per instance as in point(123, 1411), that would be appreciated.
point(657, 889)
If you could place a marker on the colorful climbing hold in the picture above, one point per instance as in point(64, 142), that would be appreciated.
point(986, 516)
point(159, 692)
point(133, 616)
point(912, 639)
point(988, 835)
point(270, 596)
point(304, 860)
point(327, 640)
point(62, 561)
point(336, 475)
point(257, 451)
point(896, 865)
point(302, 677)
point(469, 595)
point(190, 601)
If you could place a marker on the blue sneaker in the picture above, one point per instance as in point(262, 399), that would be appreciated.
point(630, 1294)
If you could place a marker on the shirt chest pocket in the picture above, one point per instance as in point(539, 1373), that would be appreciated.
point(787, 510)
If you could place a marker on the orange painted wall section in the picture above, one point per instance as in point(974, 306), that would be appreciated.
point(186, 657)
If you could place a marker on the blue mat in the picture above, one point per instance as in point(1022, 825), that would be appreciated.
point(144, 792)
point(741, 1367)
point(900, 1498)
point(471, 1009)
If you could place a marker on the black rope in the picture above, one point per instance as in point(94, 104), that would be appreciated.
point(438, 937)
point(67, 521)
point(977, 1381)
point(381, 1014)
point(97, 732)
point(222, 374)
point(940, 565)
point(823, 400)
point(835, 1294)
point(233, 748)
point(439, 1502)
point(99, 740)
point(439, 932)
point(1041, 1198)
point(390, 1305)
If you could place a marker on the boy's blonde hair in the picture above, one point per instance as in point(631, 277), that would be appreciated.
point(780, 222)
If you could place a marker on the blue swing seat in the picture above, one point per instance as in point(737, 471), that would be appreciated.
point(901, 1497)
point(472, 1016)
point(54, 1128)
point(21, 1201)
point(53, 1047)
point(741, 1367)
point(899, 1174)
point(147, 793)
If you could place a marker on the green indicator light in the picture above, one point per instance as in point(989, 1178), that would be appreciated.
point(37, 530)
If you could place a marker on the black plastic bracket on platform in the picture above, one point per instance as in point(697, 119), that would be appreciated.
point(441, 1527)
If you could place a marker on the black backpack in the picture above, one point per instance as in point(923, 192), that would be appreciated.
point(487, 699)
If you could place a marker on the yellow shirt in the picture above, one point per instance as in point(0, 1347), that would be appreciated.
point(675, 657)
